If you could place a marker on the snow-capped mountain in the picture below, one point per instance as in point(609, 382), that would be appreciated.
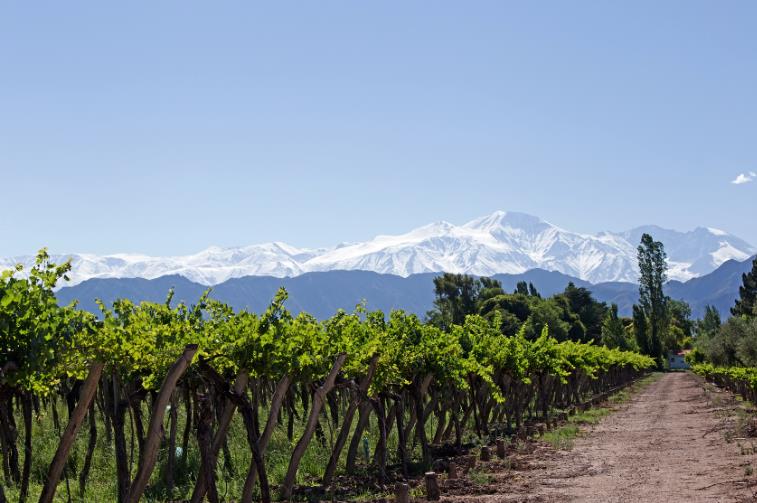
point(208, 267)
point(503, 242)
point(499, 243)
point(694, 253)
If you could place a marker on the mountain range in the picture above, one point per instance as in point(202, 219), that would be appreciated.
point(322, 293)
point(501, 243)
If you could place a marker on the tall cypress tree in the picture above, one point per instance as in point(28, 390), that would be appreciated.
point(640, 329)
point(521, 287)
point(710, 322)
point(747, 301)
point(613, 331)
point(652, 300)
point(532, 290)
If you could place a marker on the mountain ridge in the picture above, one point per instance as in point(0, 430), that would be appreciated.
point(499, 243)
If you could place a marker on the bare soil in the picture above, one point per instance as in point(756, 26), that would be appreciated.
point(677, 440)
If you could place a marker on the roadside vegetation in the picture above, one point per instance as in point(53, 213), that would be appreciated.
point(726, 353)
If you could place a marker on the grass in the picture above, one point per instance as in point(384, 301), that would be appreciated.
point(479, 477)
point(231, 472)
point(102, 485)
point(562, 437)
point(418, 492)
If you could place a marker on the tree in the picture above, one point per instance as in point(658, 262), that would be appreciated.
point(515, 304)
point(532, 290)
point(517, 310)
point(576, 330)
point(723, 347)
point(747, 301)
point(680, 326)
point(709, 325)
point(590, 312)
point(613, 331)
point(732, 344)
point(547, 313)
point(747, 346)
point(490, 288)
point(640, 329)
point(456, 297)
point(652, 300)
point(705, 331)
point(522, 288)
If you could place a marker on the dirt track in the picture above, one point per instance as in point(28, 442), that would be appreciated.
point(668, 443)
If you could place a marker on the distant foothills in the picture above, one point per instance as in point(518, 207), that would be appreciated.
point(322, 293)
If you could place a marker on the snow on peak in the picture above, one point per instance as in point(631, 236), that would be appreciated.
point(502, 242)
point(728, 252)
point(717, 232)
point(506, 219)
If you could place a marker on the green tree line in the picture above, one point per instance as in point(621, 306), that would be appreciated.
point(732, 343)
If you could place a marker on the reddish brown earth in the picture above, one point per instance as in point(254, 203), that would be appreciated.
point(676, 440)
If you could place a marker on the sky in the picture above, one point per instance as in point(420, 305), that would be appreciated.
point(167, 127)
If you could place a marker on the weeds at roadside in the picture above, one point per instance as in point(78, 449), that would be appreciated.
point(590, 416)
point(745, 422)
point(417, 492)
point(479, 477)
point(372, 496)
point(562, 438)
point(747, 450)
point(521, 445)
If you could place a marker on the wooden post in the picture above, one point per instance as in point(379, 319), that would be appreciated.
point(486, 454)
point(432, 487)
point(471, 461)
point(501, 448)
point(86, 395)
point(401, 493)
point(453, 473)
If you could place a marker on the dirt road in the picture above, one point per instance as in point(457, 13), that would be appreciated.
point(671, 442)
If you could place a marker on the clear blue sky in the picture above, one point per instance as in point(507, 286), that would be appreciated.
point(165, 127)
